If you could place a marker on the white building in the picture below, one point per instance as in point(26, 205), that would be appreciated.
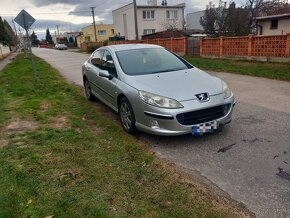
point(193, 20)
point(151, 18)
point(273, 25)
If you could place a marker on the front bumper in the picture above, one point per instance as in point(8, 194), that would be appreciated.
point(148, 116)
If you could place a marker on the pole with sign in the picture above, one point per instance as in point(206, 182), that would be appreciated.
point(25, 20)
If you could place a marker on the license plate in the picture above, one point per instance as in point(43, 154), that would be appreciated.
point(204, 128)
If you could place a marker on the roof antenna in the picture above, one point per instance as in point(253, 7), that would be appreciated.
point(164, 3)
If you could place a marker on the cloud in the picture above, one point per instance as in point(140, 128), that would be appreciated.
point(103, 8)
point(53, 2)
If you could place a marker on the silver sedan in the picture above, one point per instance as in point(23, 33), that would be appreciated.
point(157, 91)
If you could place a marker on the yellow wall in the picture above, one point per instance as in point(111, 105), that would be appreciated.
point(88, 33)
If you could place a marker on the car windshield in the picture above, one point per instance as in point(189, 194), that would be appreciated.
point(149, 61)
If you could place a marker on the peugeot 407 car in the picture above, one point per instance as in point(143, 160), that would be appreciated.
point(156, 91)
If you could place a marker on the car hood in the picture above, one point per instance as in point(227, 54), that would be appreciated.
point(180, 85)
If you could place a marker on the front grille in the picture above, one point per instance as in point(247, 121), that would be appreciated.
point(204, 115)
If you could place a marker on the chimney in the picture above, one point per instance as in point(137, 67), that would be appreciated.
point(152, 2)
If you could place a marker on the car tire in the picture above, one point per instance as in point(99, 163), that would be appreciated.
point(127, 116)
point(88, 91)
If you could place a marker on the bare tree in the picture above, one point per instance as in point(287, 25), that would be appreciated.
point(253, 6)
point(170, 25)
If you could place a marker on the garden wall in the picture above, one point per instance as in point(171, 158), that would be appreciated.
point(249, 47)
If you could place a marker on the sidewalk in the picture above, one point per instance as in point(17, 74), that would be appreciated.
point(7, 60)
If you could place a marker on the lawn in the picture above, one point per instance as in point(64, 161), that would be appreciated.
point(270, 70)
point(60, 156)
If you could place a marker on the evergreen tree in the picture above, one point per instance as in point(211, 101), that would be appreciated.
point(237, 21)
point(208, 21)
point(3, 34)
point(11, 37)
point(48, 37)
point(34, 39)
point(71, 40)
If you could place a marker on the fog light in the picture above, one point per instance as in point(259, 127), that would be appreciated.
point(154, 124)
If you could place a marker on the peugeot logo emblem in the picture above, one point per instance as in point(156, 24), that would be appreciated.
point(202, 97)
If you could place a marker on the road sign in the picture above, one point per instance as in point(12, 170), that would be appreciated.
point(24, 19)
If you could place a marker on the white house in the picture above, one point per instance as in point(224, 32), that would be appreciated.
point(193, 20)
point(151, 18)
point(274, 25)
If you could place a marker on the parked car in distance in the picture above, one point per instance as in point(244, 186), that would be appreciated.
point(157, 91)
point(60, 46)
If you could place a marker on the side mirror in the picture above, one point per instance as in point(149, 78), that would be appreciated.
point(105, 74)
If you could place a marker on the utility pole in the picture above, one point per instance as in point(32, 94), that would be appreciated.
point(93, 12)
point(135, 18)
point(57, 40)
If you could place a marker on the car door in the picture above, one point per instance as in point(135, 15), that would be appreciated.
point(93, 68)
point(107, 85)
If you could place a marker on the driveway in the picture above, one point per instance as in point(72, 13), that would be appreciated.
point(249, 159)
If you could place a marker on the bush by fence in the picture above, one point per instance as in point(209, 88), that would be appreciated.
point(90, 46)
point(247, 47)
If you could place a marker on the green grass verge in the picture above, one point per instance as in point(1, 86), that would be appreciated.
point(270, 70)
point(59, 156)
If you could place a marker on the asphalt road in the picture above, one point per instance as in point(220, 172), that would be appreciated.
point(249, 159)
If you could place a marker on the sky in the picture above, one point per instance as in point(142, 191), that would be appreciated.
point(72, 15)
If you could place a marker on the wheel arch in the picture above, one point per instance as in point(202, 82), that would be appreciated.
point(120, 96)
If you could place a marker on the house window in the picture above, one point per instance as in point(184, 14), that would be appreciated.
point(101, 32)
point(148, 15)
point(148, 31)
point(274, 24)
point(87, 39)
point(172, 14)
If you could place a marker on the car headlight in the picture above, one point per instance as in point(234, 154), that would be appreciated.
point(226, 90)
point(159, 101)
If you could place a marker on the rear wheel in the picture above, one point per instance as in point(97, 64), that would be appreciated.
point(127, 116)
point(88, 92)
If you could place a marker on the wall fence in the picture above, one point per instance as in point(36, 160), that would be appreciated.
point(177, 45)
point(273, 48)
point(249, 47)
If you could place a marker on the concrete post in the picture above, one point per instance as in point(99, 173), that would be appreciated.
point(287, 51)
point(185, 45)
point(221, 46)
point(200, 46)
point(250, 45)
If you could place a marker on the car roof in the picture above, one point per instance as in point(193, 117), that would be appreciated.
point(124, 47)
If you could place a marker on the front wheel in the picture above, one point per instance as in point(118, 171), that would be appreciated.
point(88, 91)
point(127, 116)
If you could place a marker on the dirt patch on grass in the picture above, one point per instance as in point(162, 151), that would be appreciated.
point(59, 122)
point(14, 104)
point(44, 106)
point(92, 126)
point(19, 125)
